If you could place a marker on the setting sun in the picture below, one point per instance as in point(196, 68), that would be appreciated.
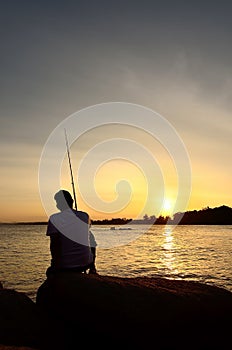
point(167, 206)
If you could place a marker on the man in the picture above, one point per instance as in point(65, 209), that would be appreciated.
point(69, 237)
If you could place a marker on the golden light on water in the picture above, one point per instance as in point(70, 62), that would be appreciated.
point(168, 249)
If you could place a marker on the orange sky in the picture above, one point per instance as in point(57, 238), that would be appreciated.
point(210, 186)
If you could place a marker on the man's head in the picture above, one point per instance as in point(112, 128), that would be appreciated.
point(63, 200)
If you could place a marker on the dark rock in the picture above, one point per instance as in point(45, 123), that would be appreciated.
point(12, 347)
point(137, 312)
point(22, 323)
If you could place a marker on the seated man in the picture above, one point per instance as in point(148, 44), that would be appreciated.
point(69, 237)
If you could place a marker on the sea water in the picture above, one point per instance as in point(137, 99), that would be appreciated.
point(189, 252)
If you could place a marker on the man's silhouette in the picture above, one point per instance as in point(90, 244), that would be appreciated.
point(69, 237)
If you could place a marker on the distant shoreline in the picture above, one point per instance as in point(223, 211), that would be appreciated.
point(207, 216)
point(44, 224)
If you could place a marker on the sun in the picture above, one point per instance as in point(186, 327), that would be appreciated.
point(167, 206)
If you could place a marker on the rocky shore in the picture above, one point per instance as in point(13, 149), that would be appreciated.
point(73, 310)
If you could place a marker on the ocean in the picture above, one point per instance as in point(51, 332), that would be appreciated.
point(187, 252)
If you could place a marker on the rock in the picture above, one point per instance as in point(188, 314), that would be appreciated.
point(9, 347)
point(137, 312)
point(74, 310)
point(22, 323)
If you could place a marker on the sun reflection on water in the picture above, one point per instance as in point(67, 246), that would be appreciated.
point(168, 246)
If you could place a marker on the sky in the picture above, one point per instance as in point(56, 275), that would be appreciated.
point(59, 57)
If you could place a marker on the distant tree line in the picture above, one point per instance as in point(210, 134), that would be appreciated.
point(207, 216)
point(116, 221)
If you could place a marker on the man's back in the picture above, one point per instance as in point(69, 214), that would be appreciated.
point(69, 235)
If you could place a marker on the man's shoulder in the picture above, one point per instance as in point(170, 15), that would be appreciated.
point(55, 215)
point(51, 227)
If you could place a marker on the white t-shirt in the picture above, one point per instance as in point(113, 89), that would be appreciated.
point(69, 239)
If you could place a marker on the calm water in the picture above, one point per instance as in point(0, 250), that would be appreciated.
point(199, 253)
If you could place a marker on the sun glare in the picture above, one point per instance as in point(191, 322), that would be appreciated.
point(167, 207)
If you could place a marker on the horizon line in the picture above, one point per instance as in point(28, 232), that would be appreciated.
point(165, 216)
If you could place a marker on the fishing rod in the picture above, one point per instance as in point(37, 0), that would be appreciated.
point(70, 166)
